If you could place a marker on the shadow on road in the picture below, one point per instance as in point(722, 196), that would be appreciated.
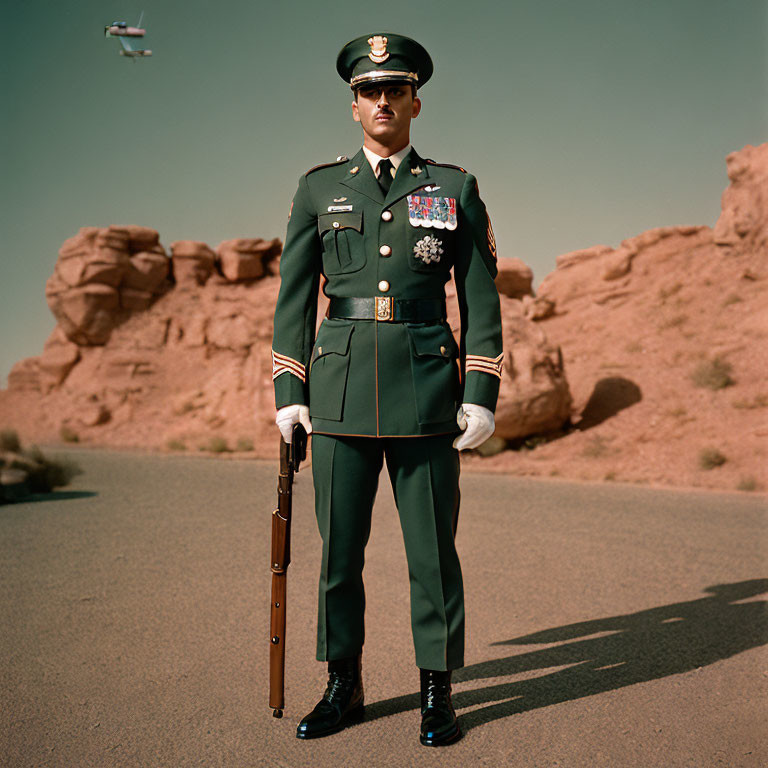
point(58, 496)
point(642, 646)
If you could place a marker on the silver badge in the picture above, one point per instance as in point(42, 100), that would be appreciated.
point(339, 199)
point(428, 249)
point(339, 208)
point(431, 189)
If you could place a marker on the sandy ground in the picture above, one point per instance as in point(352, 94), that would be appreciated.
point(608, 625)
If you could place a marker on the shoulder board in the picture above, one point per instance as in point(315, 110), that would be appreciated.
point(340, 159)
point(444, 165)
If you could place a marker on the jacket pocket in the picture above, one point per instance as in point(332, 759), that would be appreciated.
point(342, 237)
point(434, 372)
point(328, 370)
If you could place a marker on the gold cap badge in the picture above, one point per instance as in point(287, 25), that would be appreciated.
point(378, 54)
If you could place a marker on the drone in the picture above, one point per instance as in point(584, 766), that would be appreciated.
point(123, 33)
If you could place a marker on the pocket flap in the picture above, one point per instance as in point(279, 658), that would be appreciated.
point(333, 339)
point(433, 340)
point(346, 220)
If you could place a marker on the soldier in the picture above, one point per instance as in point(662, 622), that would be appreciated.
point(385, 378)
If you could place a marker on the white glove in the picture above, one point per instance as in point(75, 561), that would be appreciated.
point(290, 415)
point(478, 425)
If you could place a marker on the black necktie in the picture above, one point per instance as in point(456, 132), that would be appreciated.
point(385, 175)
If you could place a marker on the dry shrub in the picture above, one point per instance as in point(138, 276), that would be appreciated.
point(709, 458)
point(713, 374)
point(673, 322)
point(595, 447)
point(9, 441)
point(43, 474)
point(215, 445)
point(666, 292)
point(68, 435)
point(747, 484)
point(758, 401)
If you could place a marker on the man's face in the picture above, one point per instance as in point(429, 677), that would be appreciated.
point(385, 112)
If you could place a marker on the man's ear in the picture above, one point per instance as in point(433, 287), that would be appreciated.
point(355, 112)
point(416, 107)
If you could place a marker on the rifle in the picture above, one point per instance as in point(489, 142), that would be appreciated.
point(291, 455)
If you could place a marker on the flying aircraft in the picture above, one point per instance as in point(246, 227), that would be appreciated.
point(123, 32)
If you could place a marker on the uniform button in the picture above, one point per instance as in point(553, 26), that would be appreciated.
point(443, 350)
point(387, 215)
point(336, 225)
point(383, 286)
point(385, 250)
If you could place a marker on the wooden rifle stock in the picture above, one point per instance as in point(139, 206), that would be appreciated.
point(291, 456)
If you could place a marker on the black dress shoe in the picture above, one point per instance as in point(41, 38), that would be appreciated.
point(438, 720)
point(342, 702)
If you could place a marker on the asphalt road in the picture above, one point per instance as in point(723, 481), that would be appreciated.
point(607, 625)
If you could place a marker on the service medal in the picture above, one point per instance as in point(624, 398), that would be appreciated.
point(428, 249)
point(437, 212)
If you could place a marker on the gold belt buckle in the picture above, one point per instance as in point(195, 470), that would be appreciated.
point(383, 308)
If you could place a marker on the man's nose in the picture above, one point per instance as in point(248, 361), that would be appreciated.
point(382, 100)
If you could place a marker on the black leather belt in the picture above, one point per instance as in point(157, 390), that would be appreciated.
point(388, 309)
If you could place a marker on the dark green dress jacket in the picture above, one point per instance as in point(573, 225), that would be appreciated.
point(379, 378)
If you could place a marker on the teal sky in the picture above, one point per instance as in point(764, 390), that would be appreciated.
point(585, 122)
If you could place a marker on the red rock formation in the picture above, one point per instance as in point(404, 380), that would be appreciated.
point(515, 279)
point(247, 258)
point(534, 396)
point(103, 275)
point(651, 334)
point(743, 225)
point(192, 262)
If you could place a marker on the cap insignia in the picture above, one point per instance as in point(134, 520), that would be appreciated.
point(378, 54)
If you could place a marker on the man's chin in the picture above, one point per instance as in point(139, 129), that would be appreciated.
point(383, 132)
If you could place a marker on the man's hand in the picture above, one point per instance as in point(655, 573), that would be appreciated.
point(478, 425)
point(290, 415)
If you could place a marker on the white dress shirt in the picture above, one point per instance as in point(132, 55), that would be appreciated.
point(396, 159)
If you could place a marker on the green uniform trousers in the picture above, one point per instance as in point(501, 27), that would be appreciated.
point(424, 472)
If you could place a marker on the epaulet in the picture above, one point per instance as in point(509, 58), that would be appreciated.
point(444, 165)
point(340, 159)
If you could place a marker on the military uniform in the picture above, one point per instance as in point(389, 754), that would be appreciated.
point(380, 378)
point(384, 376)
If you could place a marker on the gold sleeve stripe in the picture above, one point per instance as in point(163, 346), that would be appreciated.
point(492, 365)
point(491, 237)
point(285, 364)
